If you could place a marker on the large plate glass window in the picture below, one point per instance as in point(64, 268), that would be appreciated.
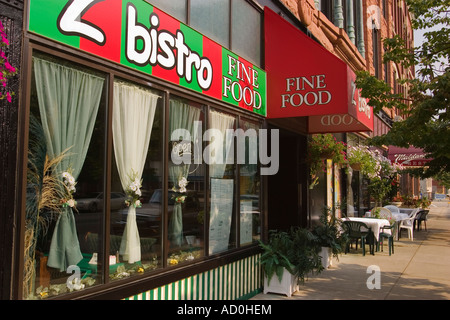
point(219, 155)
point(250, 185)
point(137, 176)
point(64, 200)
point(186, 194)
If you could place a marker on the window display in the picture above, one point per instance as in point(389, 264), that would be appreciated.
point(186, 184)
point(136, 131)
point(66, 104)
point(97, 210)
point(221, 172)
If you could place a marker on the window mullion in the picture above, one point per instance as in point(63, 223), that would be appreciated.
point(165, 195)
point(104, 253)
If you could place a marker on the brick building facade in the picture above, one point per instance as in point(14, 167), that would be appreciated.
point(227, 268)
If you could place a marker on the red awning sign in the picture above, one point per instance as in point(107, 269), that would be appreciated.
point(304, 79)
point(408, 157)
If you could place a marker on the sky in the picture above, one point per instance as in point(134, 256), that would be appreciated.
point(418, 34)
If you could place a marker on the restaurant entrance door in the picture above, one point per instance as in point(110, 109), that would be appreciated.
point(287, 190)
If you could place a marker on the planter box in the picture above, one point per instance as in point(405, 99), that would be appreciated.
point(327, 257)
point(287, 286)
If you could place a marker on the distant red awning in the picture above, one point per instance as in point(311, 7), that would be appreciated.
point(305, 80)
point(408, 157)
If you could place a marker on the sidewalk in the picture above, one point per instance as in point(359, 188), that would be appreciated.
point(418, 270)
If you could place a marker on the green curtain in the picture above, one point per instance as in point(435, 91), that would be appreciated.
point(68, 104)
point(182, 116)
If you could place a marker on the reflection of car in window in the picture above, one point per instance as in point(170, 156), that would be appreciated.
point(149, 214)
point(157, 197)
point(93, 202)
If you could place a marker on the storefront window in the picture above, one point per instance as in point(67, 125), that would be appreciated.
point(222, 223)
point(104, 208)
point(186, 194)
point(352, 183)
point(352, 193)
point(65, 164)
point(250, 187)
point(137, 211)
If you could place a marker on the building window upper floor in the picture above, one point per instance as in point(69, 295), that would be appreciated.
point(235, 24)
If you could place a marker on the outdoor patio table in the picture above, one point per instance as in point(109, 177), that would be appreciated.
point(406, 210)
point(399, 217)
point(374, 224)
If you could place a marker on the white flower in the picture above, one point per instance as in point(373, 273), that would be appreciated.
point(182, 189)
point(68, 177)
point(190, 257)
point(137, 204)
point(71, 203)
point(182, 183)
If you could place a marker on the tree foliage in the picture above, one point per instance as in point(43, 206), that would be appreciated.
point(426, 121)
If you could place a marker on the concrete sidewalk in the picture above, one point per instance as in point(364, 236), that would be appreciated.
point(418, 270)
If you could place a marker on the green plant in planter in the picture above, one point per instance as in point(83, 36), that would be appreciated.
point(294, 250)
point(304, 253)
point(423, 203)
point(274, 257)
point(409, 202)
point(329, 233)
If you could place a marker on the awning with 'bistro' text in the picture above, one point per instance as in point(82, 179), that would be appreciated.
point(306, 80)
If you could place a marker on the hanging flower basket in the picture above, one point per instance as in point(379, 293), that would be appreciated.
point(321, 148)
point(361, 158)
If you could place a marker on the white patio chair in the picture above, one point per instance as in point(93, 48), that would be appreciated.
point(408, 224)
point(385, 213)
point(393, 209)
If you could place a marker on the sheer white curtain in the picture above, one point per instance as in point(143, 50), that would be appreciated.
point(182, 116)
point(68, 105)
point(220, 122)
point(133, 114)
